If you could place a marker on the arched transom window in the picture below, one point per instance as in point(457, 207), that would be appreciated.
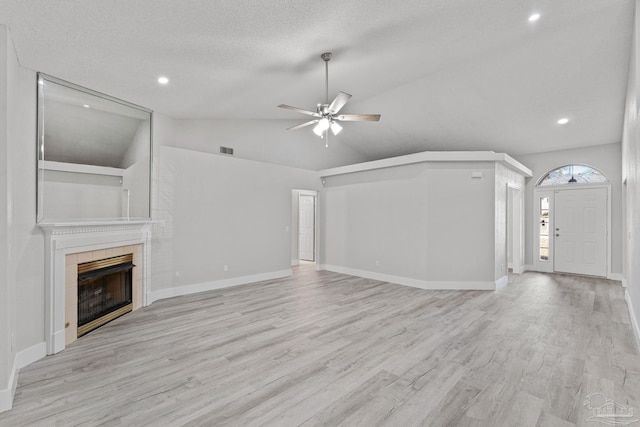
point(572, 174)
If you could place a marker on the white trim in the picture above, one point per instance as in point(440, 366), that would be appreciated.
point(407, 281)
point(502, 282)
point(295, 262)
point(32, 354)
point(634, 320)
point(80, 168)
point(217, 284)
point(617, 276)
point(528, 267)
point(432, 156)
point(6, 395)
point(20, 360)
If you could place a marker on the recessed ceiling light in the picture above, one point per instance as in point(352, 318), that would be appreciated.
point(86, 106)
point(534, 17)
point(163, 80)
point(563, 121)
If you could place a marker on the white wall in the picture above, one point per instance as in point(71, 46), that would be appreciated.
point(22, 249)
point(7, 300)
point(136, 175)
point(139, 148)
point(226, 211)
point(631, 173)
point(430, 223)
point(27, 240)
point(162, 204)
point(266, 141)
point(604, 157)
point(136, 180)
point(81, 195)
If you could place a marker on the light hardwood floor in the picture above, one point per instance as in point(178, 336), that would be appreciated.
point(323, 348)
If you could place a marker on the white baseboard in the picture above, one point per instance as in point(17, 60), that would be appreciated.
point(616, 276)
point(407, 281)
point(29, 355)
point(634, 320)
point(6, 395)
point(21, 359)
point(528, 267)
point(502, 282)
point(295, 262)
point(217, 284)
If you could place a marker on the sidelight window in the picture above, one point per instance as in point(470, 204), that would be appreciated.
point(544, 229)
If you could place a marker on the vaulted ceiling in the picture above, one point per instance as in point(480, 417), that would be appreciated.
point(444, 74)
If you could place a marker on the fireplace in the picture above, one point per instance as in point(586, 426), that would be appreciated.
point(104, 291)
point(68, 244)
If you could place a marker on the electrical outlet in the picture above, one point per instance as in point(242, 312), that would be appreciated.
point(177, 274)
point(226, 267)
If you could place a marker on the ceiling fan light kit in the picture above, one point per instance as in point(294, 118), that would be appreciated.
point(326, 115)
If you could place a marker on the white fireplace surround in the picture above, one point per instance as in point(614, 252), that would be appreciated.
point(66, 238)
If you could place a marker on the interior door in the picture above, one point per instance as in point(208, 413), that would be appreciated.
point(306, 226)
point(581, 231)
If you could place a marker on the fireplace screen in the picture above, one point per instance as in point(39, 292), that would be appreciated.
point(104, 291)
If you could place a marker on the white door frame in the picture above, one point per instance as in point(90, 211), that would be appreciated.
point(515, 233)
point(550, 191)
point(295, 221)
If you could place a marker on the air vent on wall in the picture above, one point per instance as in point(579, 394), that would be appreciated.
point(226, 150)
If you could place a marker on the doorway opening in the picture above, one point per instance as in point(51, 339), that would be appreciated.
point(304, 227)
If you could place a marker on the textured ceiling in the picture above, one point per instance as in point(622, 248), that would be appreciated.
point(444, 74)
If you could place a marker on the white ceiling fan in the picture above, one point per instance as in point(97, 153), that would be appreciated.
point(326, 115)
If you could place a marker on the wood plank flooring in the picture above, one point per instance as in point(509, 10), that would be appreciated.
point(323, 348)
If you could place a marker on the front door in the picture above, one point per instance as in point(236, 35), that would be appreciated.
point(580, 231)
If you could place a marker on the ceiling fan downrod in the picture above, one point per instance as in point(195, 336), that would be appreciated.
point(326, 57)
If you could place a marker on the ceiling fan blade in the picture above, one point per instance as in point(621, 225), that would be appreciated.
point(309, 123)
point(358, 117)
point(299, 110)
point(339, 101)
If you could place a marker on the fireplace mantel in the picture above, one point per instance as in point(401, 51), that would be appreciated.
point(63, 238)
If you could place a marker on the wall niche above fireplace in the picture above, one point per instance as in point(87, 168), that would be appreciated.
point(94, 155)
